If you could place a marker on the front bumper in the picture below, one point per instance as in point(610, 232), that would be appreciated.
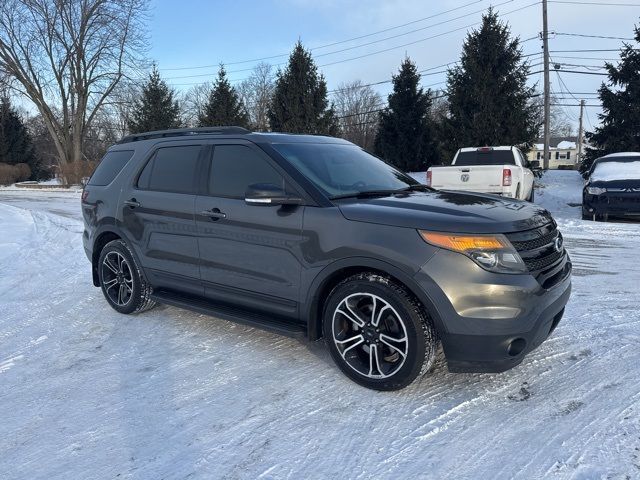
point(489, 322)
point(612, 203)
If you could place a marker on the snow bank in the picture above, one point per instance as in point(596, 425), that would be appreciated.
point(88, 393)
point(611, 171)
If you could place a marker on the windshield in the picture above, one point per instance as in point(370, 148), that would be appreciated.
point(614, 170)
point(485, 157)
point(343, 170)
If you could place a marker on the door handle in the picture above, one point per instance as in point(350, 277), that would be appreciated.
point(214, 213)
point(131, 203)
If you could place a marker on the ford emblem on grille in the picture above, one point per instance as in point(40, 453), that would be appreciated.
point(558, 244)
point(464, 177)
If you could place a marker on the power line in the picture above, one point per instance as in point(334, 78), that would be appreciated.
point(588, 67)
point(590, 50)
point(587, 58)
point(579, 72)
point(410, 31)
point(353, 47)
point(588, 119)
point(591, 36)
point(371, 53)
point(423, 39)
point(596, 3)
point(399, 26)
point(569, 71)
point(573, 105)
point(330, 44)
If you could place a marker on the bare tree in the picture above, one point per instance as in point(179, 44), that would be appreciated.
point(256, 93)
point(357, 107)
point(194, 102)
point(67, 57)
point(560, 123)
point(111, 122)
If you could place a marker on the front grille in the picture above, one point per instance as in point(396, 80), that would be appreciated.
point(536, 242)
point(623, 199)
point(534, 264)
point(537, 247)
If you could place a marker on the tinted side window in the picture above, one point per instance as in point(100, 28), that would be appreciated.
point(172, 169)
point(235, 167)
point(110, 166)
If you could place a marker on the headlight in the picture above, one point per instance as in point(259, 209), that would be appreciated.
point(596, 190)
point(491, 252)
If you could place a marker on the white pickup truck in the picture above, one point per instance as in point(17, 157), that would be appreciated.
point(499, 170)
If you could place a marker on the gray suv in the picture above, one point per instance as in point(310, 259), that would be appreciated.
point(312, 236)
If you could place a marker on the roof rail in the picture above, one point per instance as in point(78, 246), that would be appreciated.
point(177, 132)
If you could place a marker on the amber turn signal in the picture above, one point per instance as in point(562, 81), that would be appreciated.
point(464, 243)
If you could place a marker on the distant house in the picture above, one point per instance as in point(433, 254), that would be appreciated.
point(563, 152)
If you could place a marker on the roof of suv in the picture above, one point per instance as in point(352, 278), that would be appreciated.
point(230, 132)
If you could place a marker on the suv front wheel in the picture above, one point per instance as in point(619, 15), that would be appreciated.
point(122, 283)
point(377, 332)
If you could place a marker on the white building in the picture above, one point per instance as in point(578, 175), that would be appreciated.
point(563, 152)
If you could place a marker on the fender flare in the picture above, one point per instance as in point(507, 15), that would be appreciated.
point(112, 228)
point(311, 306)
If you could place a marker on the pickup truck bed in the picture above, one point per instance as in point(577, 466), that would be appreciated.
point(497, 170)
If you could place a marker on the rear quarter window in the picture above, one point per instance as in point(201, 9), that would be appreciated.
point(172, 169)
point(110, 166)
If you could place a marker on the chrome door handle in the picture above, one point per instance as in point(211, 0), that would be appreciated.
point(214, 213)
point(131, 203)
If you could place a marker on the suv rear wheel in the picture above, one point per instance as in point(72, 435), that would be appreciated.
point(377, 332)
point(122, 283)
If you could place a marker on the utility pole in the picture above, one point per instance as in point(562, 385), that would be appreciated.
point(547, 87)
point(580, 132)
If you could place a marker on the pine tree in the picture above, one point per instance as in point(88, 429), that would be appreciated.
point(300, 103)
point(156, 108)
point(224, 107)
point(489, 100)
point(620, 121)
point(406, 133)
point(16, 145)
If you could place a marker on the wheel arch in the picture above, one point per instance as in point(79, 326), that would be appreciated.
point(105, 235)
point(334, 273)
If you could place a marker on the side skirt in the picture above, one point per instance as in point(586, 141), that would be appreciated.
point(268, 322)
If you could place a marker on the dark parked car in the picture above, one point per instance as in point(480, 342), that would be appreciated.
point(612, 187)
point(312, 236)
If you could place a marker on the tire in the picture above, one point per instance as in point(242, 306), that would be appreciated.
point(121, 280)
point(367, 314)
point(517, 195)
point(532, 195)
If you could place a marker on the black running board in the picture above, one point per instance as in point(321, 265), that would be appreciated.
point(271, 323)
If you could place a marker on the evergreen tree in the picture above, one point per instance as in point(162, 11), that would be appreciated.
point(224, 106)
point(405, 135)
point(620, 121)
point(156, 108)
point(16, 145)
point(300, 103)
point(489, 100)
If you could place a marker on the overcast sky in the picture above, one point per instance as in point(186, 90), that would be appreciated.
point(197, 33)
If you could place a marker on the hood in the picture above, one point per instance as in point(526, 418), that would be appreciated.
point(447, 211)
point(616, 184)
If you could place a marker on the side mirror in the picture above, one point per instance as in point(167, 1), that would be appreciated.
point(266, 194)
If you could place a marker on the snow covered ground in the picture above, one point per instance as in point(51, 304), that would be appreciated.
point(87, 393)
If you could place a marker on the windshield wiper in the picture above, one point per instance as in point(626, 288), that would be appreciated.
point(419, 187)
point(367, 193)
point(383, 193)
